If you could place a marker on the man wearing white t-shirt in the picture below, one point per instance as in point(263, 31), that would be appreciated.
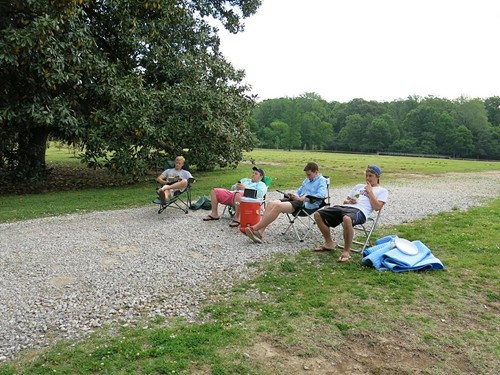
point(173, 179)
point(358, 206)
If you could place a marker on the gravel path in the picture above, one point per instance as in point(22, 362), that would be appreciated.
point(64, 276)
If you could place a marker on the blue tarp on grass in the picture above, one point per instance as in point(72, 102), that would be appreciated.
point(385, 256)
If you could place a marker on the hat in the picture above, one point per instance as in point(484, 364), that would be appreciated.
point(374, 168)
point(260, 170)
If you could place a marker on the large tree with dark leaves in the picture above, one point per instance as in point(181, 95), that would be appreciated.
point(131, 82)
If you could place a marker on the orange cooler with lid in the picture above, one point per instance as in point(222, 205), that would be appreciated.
point(249, 212)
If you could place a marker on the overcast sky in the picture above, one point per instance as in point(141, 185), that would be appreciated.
point(372, 49)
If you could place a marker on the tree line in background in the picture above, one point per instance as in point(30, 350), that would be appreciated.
point(462, 128)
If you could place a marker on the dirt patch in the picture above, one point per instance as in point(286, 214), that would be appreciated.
point(356, 356)
point(109, 261)
point(62, 281)
point(123, 249)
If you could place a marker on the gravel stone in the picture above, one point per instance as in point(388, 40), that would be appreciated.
point(66, 276)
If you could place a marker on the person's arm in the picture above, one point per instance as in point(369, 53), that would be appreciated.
point(376, 204)
point(318, 190)
point(295, 197)
point(161, 179)
point(240, 185)
point(298, 195)
point(349, 200)
point(261, 189)
point(321, 190)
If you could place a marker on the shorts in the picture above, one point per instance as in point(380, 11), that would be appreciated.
point(333, 216)
point(297, 205)
point(224, 196)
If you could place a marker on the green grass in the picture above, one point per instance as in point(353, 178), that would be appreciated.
point(286, 169)
point(310, 308)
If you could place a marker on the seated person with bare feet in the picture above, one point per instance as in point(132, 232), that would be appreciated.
point(173, 179)
point(233, 196)
point(359, 204)
point(313, 185)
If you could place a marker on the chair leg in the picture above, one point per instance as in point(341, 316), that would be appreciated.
point(358, 229)
point(176, 201)
point(295, 221)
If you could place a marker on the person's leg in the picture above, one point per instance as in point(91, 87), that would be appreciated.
point(237, 201)
point(179, 185)
point(325, 231)
point(216, 195)
point(215, 203)
point(273, 210)
point(161, 194)
point(348, 237)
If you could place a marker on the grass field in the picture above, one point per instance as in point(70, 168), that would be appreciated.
point(306, 313)
point(286, 169)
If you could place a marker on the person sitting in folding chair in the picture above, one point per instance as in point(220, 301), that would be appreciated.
point(173, 179)
point(358, 206)
point(314, 185)
point(233, 196)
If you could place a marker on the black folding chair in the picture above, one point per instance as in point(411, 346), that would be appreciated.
point(304, 218)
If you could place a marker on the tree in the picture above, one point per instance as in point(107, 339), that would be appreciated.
point(276, 134)
point(492, 106)
point(351, 136)
point(461, 141)
point(381, 133)
point(420, 124)
point(130, 81)
point(472, 114)
point(315, 133)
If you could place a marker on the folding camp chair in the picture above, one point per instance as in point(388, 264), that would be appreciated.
point(177, 200)
point(230, 208)
point(305, 217)
point(364, 230)
point(180, 199)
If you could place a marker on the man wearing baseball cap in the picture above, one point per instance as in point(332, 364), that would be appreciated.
point(233, 196)
point(359, 204)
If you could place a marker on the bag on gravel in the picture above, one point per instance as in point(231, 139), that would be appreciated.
point(203, 203)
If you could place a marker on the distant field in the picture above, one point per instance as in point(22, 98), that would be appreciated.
point(88, 190)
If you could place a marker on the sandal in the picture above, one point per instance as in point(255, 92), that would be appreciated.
point(344, 258)
point(234, 224)
point(323, 248)
point(254, 235)
point(210, 218)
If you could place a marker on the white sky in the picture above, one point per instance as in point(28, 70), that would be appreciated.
point(372, 49)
